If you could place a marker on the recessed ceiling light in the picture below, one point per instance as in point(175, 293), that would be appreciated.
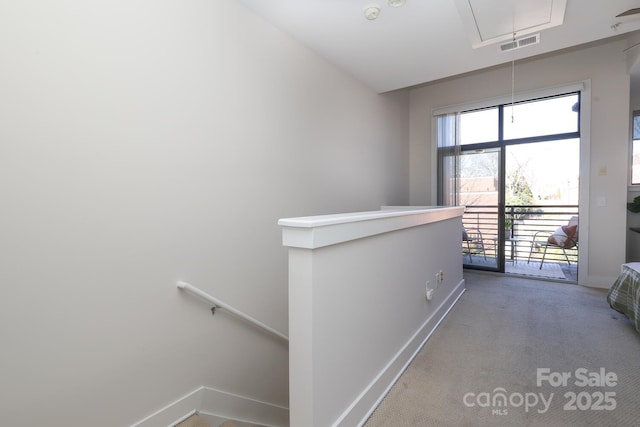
point(371, 12)
point(396, 3)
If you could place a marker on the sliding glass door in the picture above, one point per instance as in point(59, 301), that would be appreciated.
point(516, 169)
point(479, 190)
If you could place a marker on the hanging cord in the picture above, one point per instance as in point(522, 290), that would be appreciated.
point(513, 58)
point(513, 86)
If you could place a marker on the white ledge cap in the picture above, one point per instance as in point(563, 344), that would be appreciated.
point(323, 230)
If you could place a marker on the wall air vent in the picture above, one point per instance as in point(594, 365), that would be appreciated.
point(518, 43)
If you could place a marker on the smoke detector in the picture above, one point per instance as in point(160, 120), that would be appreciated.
point(371, 12)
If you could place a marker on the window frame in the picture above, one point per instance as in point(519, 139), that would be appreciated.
point(633, 139)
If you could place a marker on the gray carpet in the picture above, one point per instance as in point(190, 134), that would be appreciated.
point(501, 331)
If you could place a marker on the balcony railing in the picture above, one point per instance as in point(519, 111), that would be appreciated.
point(525, 227)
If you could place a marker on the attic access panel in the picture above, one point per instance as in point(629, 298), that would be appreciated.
point(493, 21)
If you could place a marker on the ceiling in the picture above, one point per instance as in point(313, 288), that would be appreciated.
point(426, 40)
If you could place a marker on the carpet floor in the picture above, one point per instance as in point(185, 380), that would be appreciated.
point(481, 367)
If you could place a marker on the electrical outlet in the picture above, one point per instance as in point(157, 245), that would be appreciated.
point(441, 274)
point(429, 294)
point(428, 291)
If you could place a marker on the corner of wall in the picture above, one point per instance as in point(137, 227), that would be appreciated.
point(211, 402)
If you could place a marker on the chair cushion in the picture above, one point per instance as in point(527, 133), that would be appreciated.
point(565, 236)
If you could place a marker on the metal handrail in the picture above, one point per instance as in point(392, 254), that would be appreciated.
point(219, 304)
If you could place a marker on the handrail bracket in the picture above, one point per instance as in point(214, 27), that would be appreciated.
point(219, 304)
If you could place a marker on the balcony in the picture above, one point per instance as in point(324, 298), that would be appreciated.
point(526, 232)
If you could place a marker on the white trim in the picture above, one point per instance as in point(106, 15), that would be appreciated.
point(243, 409)
point(209, 401)
point(506, 99)
point(363, 406)
point(434, 160)
point(630, 184)
point(584, 190)
point(600, 282)
point(174, 412)
point(319, 231)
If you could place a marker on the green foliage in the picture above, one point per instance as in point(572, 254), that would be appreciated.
point(518, 193)
point(635, 205)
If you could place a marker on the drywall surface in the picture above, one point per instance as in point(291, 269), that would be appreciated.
point(147, 142)
point(358, 306)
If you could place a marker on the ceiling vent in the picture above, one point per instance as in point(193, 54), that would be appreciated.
point(518, 43)
point(489, 22)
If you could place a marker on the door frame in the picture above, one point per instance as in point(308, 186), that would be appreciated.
point(583, 88)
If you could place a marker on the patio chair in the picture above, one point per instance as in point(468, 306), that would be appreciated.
point(472, 243)
point(565, 237)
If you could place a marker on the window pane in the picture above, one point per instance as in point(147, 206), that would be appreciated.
point(479, 177)
point(479, 126)
point(635, 166)
point(543, 117)
point(636, 127)
point(534, 177)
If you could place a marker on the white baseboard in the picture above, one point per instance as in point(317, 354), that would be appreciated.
point(364, 405)
point(212, 402)
point(602, 282)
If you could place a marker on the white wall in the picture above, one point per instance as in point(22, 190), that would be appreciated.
point(605, 66)
point(358, 308)
point(143, 142)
